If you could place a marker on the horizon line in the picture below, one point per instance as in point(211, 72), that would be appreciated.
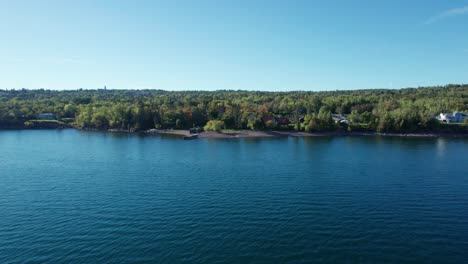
point(232, 90)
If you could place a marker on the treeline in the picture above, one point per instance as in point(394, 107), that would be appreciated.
point(404, 110)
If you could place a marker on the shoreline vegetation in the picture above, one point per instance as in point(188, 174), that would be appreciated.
point(409, 112)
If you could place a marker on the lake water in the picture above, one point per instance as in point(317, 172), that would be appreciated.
point(89, 197)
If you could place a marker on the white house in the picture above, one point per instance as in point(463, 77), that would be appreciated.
point(456, 117)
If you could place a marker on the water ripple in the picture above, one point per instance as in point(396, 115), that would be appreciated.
point(169, 201)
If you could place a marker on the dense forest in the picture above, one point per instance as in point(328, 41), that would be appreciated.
point(382, 110)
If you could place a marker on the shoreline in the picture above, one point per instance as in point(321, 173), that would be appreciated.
point(234, 134)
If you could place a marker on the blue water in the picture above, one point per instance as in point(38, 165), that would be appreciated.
point(89, 197)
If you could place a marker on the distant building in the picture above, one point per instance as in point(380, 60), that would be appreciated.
point(46, 116)
point(456, 117)
point(341, 119)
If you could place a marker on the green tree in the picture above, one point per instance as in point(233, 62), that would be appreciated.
point(214, 125)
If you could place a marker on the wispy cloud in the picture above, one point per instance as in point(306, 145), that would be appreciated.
point(447, 14)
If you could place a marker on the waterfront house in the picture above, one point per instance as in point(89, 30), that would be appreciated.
point(340, 119)
point(455, 117)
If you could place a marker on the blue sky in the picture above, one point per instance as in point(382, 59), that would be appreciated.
point(238, 44)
